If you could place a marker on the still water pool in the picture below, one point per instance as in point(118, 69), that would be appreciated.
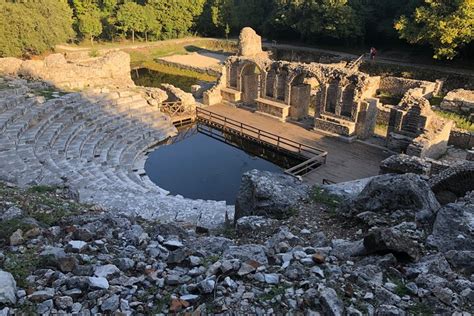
point(202, 167)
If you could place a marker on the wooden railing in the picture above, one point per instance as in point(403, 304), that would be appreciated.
point(316, 156)
point(173, 108)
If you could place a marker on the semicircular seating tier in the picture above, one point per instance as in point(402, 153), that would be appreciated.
point(95, 143)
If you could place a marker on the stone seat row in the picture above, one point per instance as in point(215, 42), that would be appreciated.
point(96, 144)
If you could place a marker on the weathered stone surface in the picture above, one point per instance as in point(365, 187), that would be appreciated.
point(250, 44)
point(98, 283)
point(11, 213)
point(7, 288)
point(106, 270)
point(405, 164)
point(16, 238)
point(111, 69)
point(175, 94)
point(330, 302)
point(247, 253)
point(249, 224)
point(111, 304)
point(461, 260)
point(41, 296)
point(391, 240)
point(263, 193)
point(453, 228)
point(459, 101)
point(453, 182)
point(347, 190)
point(389, 193)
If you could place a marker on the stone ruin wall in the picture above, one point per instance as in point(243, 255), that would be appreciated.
point(79, 71)
point(339, 94)
point(460, 101)
point(397, 86)
point(111, 70)
point(415, 129)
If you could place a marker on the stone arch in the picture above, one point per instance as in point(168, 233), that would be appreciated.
point(250, 82)
point(348, 96)
point(281, 85)
point(233, 75)
point(332, 97)
point(453, 182)
point(317, 93)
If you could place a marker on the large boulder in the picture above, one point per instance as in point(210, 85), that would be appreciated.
point(453, 228)
point(399, 197)
point(268, 194)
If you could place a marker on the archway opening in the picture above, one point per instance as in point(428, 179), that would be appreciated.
point(250, 84)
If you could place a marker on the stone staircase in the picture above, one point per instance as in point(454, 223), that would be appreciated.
point(95, 143)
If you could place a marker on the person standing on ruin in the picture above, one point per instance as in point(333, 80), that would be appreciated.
point(373, 52)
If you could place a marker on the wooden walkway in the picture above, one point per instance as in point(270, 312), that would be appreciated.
point(344, 161)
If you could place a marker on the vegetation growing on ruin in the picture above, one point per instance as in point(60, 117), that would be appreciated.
point(445, 26)
point(41, 203)
point(461, 121)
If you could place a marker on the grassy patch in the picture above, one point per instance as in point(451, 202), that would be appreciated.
point(152, 65)
point(38, 202)
point(20, 265)
point(436, 100)
point(401, 289)
point(387, 98)
point(460, 120)
point(48, 93)
point(381, 129)
point(210, 260)
point(161, 303)
point(42, 189)
point(274, 291)
point(318, 195)
point(94, 53)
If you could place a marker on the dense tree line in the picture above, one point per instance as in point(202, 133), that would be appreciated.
point(34, 26)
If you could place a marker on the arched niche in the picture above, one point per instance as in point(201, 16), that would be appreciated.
point(233, 76)
point(270, 83)
point(250, 82)
point(347, 106)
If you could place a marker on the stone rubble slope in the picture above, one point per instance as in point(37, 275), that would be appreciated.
point(94, 142)
point(94, 261)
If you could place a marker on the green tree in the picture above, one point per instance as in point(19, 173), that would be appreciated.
point(151, 22)
point(446, 25)
point(131, 17)
point(31, 28)
point(89, 24)
point(326, 19)
point(176, 18)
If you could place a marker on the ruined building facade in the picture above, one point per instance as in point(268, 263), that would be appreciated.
point(339, 100)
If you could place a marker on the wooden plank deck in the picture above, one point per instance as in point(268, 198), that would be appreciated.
point(345, 162)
